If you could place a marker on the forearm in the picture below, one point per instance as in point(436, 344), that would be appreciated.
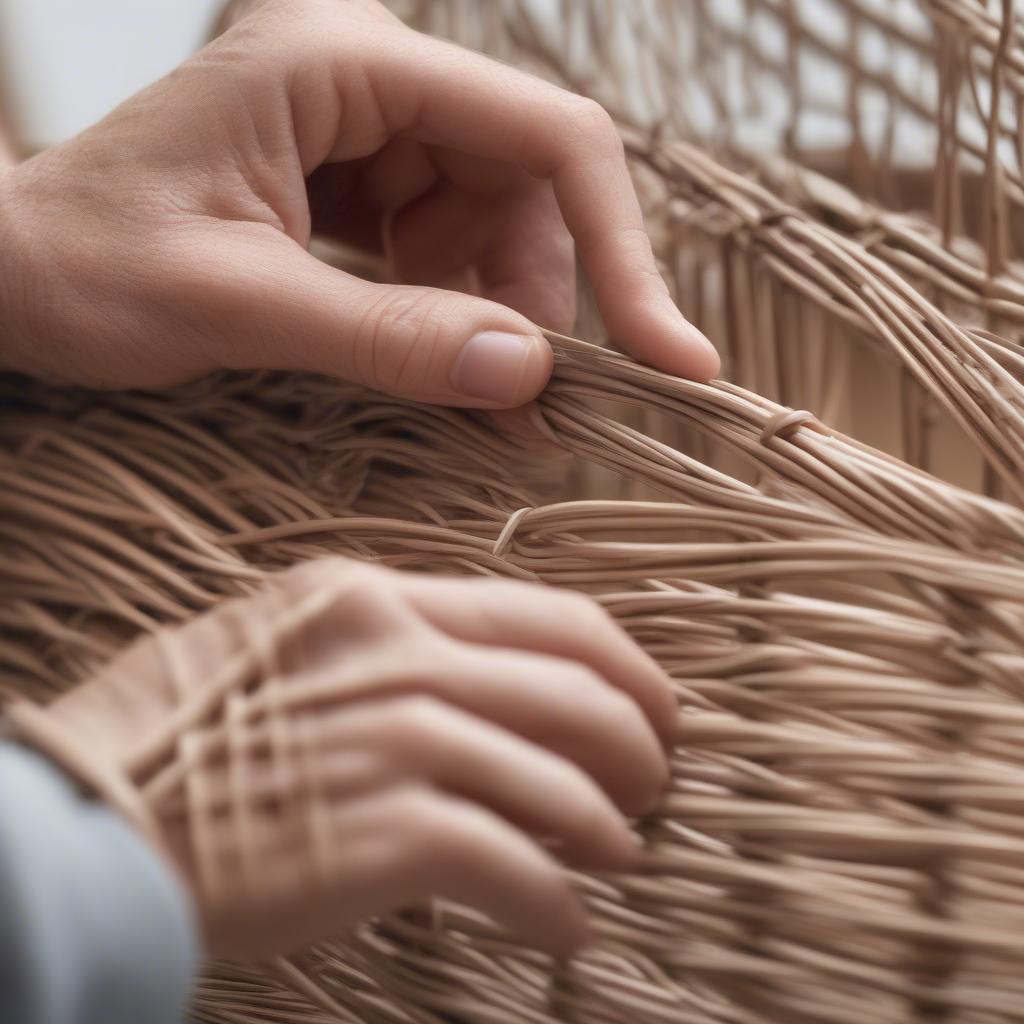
point(94, 928)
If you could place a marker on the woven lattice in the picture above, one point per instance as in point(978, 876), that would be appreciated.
point(843, 838)
point(912, 105)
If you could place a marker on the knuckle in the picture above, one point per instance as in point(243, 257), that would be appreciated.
point(590, 121)
point(582, 613)
point(372, 607)
point(363, 600)
point(318, 572)
point(635, 243)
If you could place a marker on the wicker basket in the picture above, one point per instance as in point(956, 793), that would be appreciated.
point(843, 839)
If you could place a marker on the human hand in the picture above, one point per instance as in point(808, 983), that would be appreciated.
point(170, 240)
point(353, 740)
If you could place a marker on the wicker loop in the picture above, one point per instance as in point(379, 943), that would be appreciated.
point(508, 531)
point(785, 422)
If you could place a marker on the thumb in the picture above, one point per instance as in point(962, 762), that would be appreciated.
point(422, 343)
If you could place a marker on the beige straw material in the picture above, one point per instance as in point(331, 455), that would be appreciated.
point(915, 106)
point(843, 839)
point(878, 91)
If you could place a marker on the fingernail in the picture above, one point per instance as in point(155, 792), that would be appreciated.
point(491, 366)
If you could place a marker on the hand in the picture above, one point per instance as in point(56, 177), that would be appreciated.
point(170, 240)
point(408, 737)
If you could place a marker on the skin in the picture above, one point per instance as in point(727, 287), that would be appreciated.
point(171, 240)
point(467, 718)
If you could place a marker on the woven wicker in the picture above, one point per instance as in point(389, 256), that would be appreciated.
point(843, 839)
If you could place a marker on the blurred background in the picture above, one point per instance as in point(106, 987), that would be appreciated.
point(65, 63)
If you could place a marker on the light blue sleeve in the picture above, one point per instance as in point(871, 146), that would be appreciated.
point(94, 928)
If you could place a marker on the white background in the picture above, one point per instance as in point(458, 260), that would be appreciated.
point(65, 63)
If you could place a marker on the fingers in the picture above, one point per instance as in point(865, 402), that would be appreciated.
point(352, 84)
point(437, 845)
point(387, 850)
point(439, 94)
point(564, 624)
point(554, 703)
point(504, 228)
point(270, 304)
point(367, 746)
point(419, 738)
point(352, 201)
point(429, 760)
point(516, 241)
point(358, 82)
point(456, 641)
point(563, 706)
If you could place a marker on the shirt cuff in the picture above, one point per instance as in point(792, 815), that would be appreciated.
point(94, 927)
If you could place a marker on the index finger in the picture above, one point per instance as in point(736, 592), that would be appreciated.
point(564, 624)
point(441, 94)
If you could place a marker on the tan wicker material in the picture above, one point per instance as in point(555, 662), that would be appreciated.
point(873, 88)
point(846, 641)
point(843, 840)
point(889, 98)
